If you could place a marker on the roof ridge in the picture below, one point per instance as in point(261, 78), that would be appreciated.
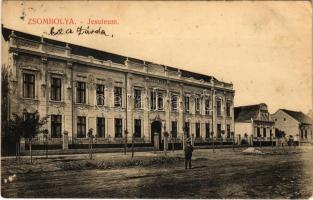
point(197, 75)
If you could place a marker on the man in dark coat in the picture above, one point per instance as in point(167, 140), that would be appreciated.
point(188, 155)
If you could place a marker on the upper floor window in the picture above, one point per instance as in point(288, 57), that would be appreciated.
point(264, 115)
point(156, 100)
point(228, 108)
point(153, 97)
point(207, 106)
point(100, 95)
point(117, 97)
point(81, 92)
point(264, 132)
point(160, 101)
point(219, 106)
point(28, 85)
point(187, 103)
point(137, 98)
point(197, 105)
point(174, 99)
point(56, 89)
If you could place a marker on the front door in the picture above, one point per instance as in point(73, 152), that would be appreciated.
point(156, 127)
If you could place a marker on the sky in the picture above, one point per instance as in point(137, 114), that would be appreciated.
point(263, 47)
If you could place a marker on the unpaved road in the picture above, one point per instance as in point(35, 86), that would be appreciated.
point(224, 174)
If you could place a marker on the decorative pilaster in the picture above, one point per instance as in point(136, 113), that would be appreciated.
point(145, 105)
point(43, 90)
point(214, 121)
point(13, 56)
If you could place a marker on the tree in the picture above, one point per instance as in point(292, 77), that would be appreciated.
point(15, 130)
point(32, 125)
point(6, 140)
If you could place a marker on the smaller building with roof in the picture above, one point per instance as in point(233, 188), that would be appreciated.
point(294, 124)
point(253, 125)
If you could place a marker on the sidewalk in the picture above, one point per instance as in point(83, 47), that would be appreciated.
point(137, 154)
point(59, 152)
point(103, 155)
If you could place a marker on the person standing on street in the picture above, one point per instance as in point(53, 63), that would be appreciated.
point(188, 154)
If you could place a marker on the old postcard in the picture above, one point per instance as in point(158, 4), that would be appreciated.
point(161, 99)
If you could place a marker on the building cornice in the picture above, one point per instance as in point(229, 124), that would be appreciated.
point(40, 49)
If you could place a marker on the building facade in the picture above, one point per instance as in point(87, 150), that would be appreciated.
point(295, 125)
point(253, 124)
point(82, 88)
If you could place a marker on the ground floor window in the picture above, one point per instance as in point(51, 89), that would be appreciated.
point(207, 130)
point(137, 128)
point(264, 132)
point(100, 127)
point(219, 131)
point(81, 127)
point(174, 129)
point(228, 130)
point(258, 132)
point(306, 134)
point(118, 127)
point(56, 126)
point(197, 130)
point(187, 129)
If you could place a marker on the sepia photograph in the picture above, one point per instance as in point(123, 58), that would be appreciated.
point(156, 99)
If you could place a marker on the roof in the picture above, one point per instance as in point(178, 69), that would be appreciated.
point(245, 113)
point(101, 55)
point(299, 116)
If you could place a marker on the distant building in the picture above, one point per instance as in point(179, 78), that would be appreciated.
point(294, 124)
point(253, 124)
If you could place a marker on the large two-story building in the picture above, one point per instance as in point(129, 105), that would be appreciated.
point(82, 88)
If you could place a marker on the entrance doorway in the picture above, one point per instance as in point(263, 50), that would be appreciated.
point(156, 127)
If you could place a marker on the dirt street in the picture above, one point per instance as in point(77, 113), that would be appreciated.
point(224, 174)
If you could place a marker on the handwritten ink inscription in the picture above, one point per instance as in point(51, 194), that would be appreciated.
point(80, 30)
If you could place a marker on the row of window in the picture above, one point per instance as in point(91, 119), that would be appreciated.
point(156, 96)
point(207, 130)
point(258, 132)
point(56, 128)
